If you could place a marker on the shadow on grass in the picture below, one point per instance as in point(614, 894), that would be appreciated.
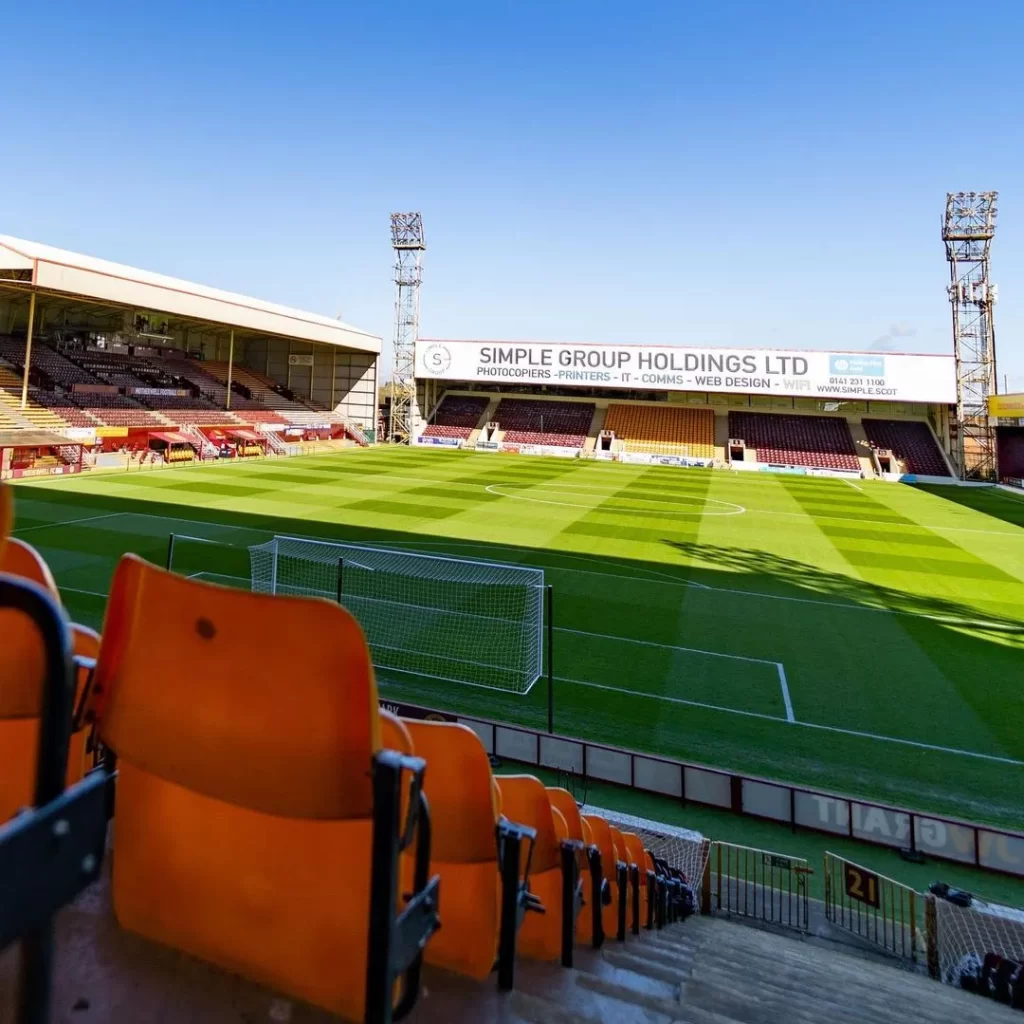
point(991, 501)
point(673, 606)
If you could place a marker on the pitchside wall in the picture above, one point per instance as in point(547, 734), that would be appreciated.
point(991, 849)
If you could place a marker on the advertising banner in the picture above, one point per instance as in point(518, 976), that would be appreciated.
point(1010, 407)
point(440, 442)
point(94, 389)
point(850, 376)
point(159, 392)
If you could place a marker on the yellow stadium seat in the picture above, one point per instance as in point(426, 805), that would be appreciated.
point(589, 925)
point(663, 429)
point(258, 816)
point(613, 873)
point(554, 873)
point(464, 805)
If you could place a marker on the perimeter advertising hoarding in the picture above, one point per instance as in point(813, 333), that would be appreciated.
point(853, 376)
point(1006, 406)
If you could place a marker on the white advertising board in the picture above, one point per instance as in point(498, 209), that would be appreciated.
point(851, 376)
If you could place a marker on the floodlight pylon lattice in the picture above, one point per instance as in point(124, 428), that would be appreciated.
point(409, 244)
point(967, 230)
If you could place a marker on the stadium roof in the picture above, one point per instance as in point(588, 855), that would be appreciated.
point(60, 272)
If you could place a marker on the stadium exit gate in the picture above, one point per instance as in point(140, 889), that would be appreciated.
point(740, 881)
point(871, 906)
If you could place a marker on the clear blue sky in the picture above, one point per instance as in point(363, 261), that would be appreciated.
point(755, 173)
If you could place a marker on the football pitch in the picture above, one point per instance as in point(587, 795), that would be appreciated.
point(855, 636)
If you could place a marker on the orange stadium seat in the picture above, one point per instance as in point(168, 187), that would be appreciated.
point(663, 429)
point(637, 880)
point(601, 835)
point(272, 852)
point(464, 803)
point(37, 692)
point(589, 927)
point(622, 880)
point(554, 877)
point(19, 735)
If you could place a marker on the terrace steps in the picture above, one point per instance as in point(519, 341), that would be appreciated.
point(860, 442)
point(704, 971)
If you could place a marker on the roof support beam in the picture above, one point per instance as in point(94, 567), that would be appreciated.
point(28, 348)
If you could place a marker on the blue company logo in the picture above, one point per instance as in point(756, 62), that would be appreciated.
point(857, 366)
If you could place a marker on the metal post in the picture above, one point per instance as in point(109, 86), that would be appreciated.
point(231, 366)
point(341, 577)
point(170, 552)
point(551, 655)
point(28, 348)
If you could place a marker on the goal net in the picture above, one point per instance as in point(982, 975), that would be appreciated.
point(680, 848)
point(966, 935)
point(480, 623)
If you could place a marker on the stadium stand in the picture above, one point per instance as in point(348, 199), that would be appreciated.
point(663, 429)
point(456, 416)
point(817, 441)
point(264, 390)
point(532, 421)
point(47, 361)
point(912, 443)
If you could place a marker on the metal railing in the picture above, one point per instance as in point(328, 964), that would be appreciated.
point(745, 882)
point(873, 907)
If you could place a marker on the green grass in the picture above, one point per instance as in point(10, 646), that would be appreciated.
point(896, 613)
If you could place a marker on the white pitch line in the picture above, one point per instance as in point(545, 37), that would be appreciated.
point(666, 580)
point(675, 581)
point(856, 487)
point(790, 717)
point(670, 700)
point(69, 522)
point(75, 590)
point(666, 647)
point(912, 743)
point(806, 725)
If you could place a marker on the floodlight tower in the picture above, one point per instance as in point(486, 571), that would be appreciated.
point(409, 245)
point(967, 230)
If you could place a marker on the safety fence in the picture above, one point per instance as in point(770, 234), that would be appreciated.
point(740, 881)
point(877, 909)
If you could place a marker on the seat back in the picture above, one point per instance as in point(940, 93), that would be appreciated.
point(587, 930)
point(553, 870)
point(21, 699)
point(638, 880)
point(601, 834)
point(525, 800)
point(245, 728)
point(464, 811)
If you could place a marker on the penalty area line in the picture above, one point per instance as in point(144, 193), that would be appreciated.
point(790, 717)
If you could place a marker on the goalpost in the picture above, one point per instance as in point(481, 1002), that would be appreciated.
point(453, 619)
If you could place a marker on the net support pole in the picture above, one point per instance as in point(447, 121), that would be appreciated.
point(170, 552)
point(548, 603)
point(341, 577)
